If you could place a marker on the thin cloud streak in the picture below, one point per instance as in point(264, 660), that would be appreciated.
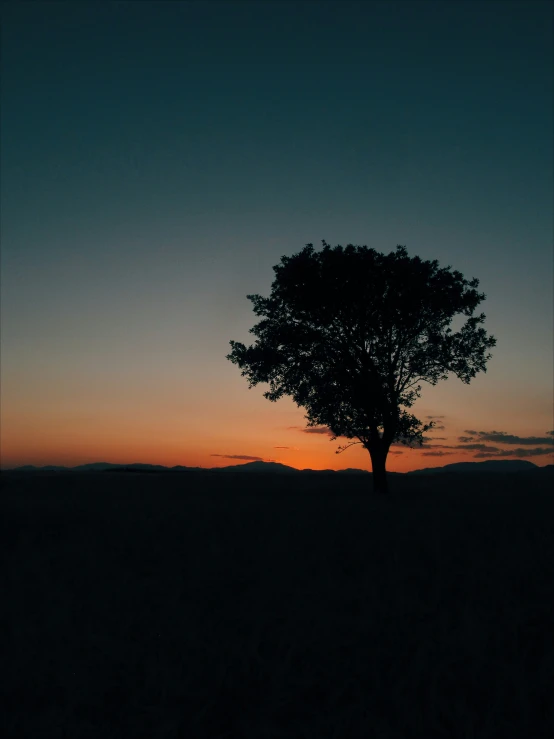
point(502, 437)
point(519, 452)
point(472, 443)
point(239, 456)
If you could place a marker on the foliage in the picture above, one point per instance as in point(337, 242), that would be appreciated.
point(350, 332)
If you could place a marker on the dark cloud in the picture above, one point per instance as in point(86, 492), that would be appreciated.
point(293, 448)
point(474, 442)
point(393, 452)
point(502, 437)
point(323, 430)
point(519, 452)
point(435, 446)
point(435, 416)
point(439, 428)
point(239, 456)
point(486, 450)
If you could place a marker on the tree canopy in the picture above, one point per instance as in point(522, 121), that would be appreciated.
point(349, 333)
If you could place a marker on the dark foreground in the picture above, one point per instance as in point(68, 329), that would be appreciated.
point(175, 606)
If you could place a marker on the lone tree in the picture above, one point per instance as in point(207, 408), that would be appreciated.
point(349, 332)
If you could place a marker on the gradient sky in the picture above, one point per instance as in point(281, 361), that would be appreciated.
point(159, 158)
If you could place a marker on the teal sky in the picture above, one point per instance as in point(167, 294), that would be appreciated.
point(157, 159)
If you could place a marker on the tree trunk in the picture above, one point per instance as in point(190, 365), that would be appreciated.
point(378, 454)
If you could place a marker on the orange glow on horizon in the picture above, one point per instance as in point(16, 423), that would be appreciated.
point(61, 428)
point(74, 452)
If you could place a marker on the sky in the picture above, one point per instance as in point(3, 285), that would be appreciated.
point(158, 159)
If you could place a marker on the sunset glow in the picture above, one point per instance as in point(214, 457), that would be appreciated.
point(157, 166)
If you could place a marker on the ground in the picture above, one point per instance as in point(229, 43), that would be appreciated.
point(169, 605)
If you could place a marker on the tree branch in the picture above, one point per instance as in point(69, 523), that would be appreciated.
point(342, 449)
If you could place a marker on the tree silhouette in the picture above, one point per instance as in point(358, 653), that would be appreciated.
point(349, 332)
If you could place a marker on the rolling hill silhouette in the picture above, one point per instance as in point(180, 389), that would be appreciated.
point(493, 465)
point(490, 465)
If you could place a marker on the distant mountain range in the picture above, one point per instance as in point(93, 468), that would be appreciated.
point(492, 465)
point(266, 467)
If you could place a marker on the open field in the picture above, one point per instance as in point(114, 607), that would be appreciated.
point(251, 606)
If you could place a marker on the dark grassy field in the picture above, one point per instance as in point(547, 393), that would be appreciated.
point(184, 605)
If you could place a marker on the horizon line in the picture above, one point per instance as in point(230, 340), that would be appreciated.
point(245, 464)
